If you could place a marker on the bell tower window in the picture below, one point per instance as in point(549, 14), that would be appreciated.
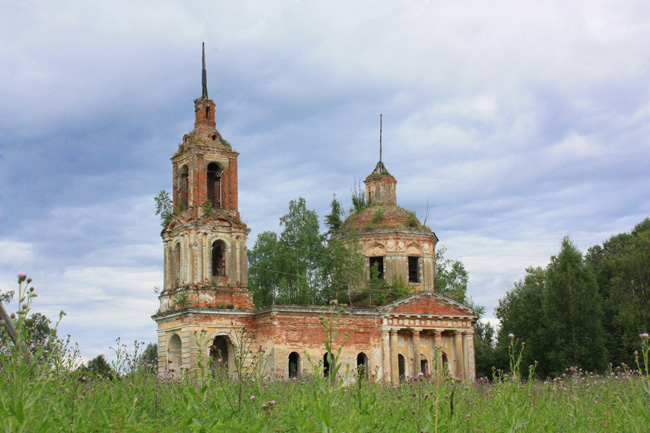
point(214, 184)
point(218, 259)
point(184, 187)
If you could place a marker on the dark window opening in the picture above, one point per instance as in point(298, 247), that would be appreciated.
point(424, 367)
point(214, 184)
point(218, 259)
point(326, 365)
point(175, 357)
point(214, 137)
point(294, 365)
point(445, 361)
point(219, 352)
point(184, 187)
point(401, 362)
point(413, 270)
point(378, 264)
point(362, 365)
point(207, 113)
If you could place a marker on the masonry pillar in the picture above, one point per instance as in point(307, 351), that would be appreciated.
point(459, 354)
point(437, 342)
point(394, 362)
point(416, 352)
point(470, 367)
point(385, 355)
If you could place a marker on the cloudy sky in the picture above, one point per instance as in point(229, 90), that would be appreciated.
point(517, 123)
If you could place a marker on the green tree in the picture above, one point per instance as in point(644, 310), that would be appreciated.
point(99, 366)
point(450, 276)
point(263, 270)
point(484, 349)
point(301, 246)
point(164, 207)
point(334, 220)
point(573, 313)
point(622, 268)
point(358, 197)
point(343, 268)
point(148, 360)
point(521, 315)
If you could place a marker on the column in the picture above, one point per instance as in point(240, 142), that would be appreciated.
point(437, 342)
point(416, 351)
point(470, 367)
point(394, 365)
point(459, 354)
point(385, 365)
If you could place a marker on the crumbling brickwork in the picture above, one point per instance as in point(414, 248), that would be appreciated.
point(207, 314)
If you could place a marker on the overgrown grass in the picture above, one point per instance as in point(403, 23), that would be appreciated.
point(47, 396)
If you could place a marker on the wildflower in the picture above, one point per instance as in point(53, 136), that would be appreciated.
point(252, 398)
point(420, 375)
point(645, 335)
point(511, 335)
point(21, 277)
point(83, 378)
point(272, 402)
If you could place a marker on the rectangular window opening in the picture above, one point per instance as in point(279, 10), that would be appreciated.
point(413, 270)
point(378, 263)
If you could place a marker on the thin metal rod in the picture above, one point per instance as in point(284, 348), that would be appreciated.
point(380, 138)
point(204, 80)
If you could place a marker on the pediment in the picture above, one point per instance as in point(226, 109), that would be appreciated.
point(429, 303)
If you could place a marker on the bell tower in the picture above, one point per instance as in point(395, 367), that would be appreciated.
point(206, 264)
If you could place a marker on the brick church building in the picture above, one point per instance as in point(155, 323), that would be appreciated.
point(205, 305)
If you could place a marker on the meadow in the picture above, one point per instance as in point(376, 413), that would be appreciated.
point(43, 390)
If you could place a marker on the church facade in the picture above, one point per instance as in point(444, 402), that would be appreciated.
point(207, 311)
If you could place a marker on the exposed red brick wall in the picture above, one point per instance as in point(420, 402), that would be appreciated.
point(429, 305)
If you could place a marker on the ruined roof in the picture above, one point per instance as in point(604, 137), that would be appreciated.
point(383, 217)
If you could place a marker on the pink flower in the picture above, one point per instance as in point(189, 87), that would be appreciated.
point(252, 398)
point(420, 374)
point(645, 335)
point(21, 277)
point(511, 335)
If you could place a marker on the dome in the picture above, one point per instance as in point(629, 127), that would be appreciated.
point(382, 218)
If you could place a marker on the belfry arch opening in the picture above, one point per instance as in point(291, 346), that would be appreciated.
point(221, 351)
point(218, 259)
point(176, 264)
point(184, 187)
point(214, 186)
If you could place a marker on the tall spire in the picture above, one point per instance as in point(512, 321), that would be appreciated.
point(380, 138)
point(380, 168)
point(204, 81)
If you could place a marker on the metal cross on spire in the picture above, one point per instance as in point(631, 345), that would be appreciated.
point(204, 80)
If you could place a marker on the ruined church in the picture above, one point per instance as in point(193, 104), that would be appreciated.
point(206, 309)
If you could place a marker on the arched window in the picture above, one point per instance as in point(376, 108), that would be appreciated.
point(220, 352)
point(218, 259)
point(214, 184)
point(175, 354)
point(362, 365)
point(326, 365)
point(184, 187)
point(176, 264)
point(294, 365)
point(445, 362)
point(401, 362)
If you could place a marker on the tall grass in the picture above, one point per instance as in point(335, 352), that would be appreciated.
point(48, 395)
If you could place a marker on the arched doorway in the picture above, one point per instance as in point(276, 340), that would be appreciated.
point(445, 362)
point(175, 354)
point(294, 365)
point(424, 365)
point(326, 365)
point(362, 365)
point(401, 363)
point(221, 352)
